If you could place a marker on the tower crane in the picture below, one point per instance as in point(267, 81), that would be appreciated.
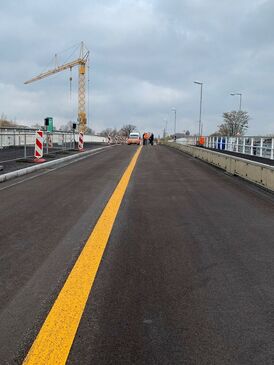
point(81, 62)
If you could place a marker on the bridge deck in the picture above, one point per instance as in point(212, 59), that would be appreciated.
point(186, 277)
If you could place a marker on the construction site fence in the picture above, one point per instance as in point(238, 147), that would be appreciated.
point(247, 145)
point(16, 144)
point(18, 138)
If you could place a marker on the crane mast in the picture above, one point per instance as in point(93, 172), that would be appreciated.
point(81, 62)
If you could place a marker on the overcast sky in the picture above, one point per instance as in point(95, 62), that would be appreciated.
point(145, 56)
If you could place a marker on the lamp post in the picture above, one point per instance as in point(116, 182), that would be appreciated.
point(165, 129)
point(240, 95)
point(201, 100)
point(175, 116)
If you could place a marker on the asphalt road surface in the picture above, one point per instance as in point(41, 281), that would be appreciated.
point(187, 276)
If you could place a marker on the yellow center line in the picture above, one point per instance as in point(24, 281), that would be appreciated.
point(53, 343)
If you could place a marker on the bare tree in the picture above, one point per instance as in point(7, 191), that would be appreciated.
point(4, 122)
point(36, 126)
point(234, 123)
point(127, 129)
point(66, 127)
point(112, 132)
point(90, 131)
point(106, 132)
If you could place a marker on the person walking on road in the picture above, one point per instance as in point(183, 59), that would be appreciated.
point(144, 139)
point(151, 139)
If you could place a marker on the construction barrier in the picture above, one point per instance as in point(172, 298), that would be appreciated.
point(81, 141)
point(50, 142)
point(201, 141)
point(38, 151)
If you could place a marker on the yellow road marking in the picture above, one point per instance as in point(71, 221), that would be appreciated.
point(53, 343)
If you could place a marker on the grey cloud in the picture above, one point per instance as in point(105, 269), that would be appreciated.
point(145, 56)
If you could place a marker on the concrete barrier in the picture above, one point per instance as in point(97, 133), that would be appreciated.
point(256, 172)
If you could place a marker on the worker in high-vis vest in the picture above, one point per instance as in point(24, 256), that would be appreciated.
point(145, 138)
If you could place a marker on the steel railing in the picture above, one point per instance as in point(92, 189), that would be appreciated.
point(19, 144)
point(248, 145)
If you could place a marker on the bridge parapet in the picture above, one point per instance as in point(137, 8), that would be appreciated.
point(256, 172)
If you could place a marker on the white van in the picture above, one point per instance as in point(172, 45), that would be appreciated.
point(134, 138)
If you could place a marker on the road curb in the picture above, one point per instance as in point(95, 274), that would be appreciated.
point(28, 170)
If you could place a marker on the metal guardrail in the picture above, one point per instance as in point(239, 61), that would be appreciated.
point(247, 145)
point(18, 144)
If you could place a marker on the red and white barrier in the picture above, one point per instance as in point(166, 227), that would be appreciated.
point(81, 141)
point(50, 142)
point(38, 152)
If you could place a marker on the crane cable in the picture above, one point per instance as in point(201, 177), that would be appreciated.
point(70, 82)
point(70, 93)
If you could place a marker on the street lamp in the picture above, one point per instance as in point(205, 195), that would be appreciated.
point(165, 129)
point(240, 95)
point(174, 110)
point(201, 100)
